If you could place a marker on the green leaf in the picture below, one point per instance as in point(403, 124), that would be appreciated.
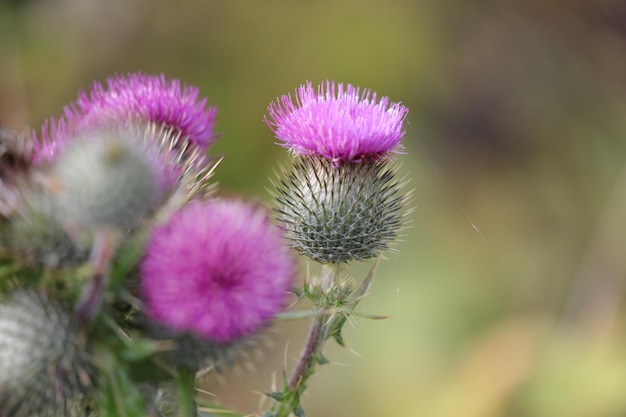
point(278, 395)
point(299, 292)
point(298, 411)
point(213, 410)
point(335, 329)
point(296, 315)
point(365, 285)
point(148, 371)
point(138, 349)
point(128, 257)
point(369, 316)
point(119, 396)
point(322, 360)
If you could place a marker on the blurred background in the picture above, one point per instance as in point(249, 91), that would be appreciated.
point(506, 293)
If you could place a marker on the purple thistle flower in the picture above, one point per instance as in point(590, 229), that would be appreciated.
point(340, 124)
point(218, 269)
point(134, 98)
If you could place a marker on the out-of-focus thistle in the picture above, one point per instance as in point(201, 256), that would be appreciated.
point(109, 178)
point(15, 168)
point(218, 271)
point(44, 364)
point(341, 201)
point(180, 122)
point(123, 280)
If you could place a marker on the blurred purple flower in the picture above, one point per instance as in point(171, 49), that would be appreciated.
point(217, 269)
point(134, 98)
point(55, 133)
point(340, 124)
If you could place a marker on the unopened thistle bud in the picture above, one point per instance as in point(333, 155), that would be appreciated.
point(44, 368)
point(340, 202)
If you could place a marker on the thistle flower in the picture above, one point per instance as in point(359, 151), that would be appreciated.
point(340, 202)
point(340, 124)
point(181, 123)
point(44, 369)
point(151, 98)
point(217, 270)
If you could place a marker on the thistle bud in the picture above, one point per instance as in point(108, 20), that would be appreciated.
point(44, 369)
point(107, 180)
point(340, 214)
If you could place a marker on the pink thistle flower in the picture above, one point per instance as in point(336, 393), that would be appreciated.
point(137, 99)
point(218, 269)
point(340, 124)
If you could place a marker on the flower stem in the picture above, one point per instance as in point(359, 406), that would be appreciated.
point(102, 254)
point(312, 352)
point(186, 393)
point(308, 359)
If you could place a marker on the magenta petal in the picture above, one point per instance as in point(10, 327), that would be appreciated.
point(217, 269)
point(341, 124)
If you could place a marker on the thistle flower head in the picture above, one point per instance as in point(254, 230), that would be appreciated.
point(132, 99)
point(340, 124)
point(217, 270)
point(339, 214)
point(44, 369)
point(151, 98)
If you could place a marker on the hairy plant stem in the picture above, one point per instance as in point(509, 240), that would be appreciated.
point(312, 353)
point(102, 254)
point(186, 393)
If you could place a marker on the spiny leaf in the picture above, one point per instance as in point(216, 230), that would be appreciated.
point(278, 396)
point(298, 411)
point(365, 285)
point(322, 360)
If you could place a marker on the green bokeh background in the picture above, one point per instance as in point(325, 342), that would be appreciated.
point(506, 292)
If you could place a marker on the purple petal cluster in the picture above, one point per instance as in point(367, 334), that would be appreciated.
point(55, 133)
point(341, 124)
point(132, 98)
point(217, 269)
point(153, 98)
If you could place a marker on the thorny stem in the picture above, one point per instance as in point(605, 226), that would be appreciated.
point(102, 254)
point(310, 356)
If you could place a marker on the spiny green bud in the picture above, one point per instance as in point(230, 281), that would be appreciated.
point(336, 214)
point(34, 236)
point(105, 181)
point(43, 366)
